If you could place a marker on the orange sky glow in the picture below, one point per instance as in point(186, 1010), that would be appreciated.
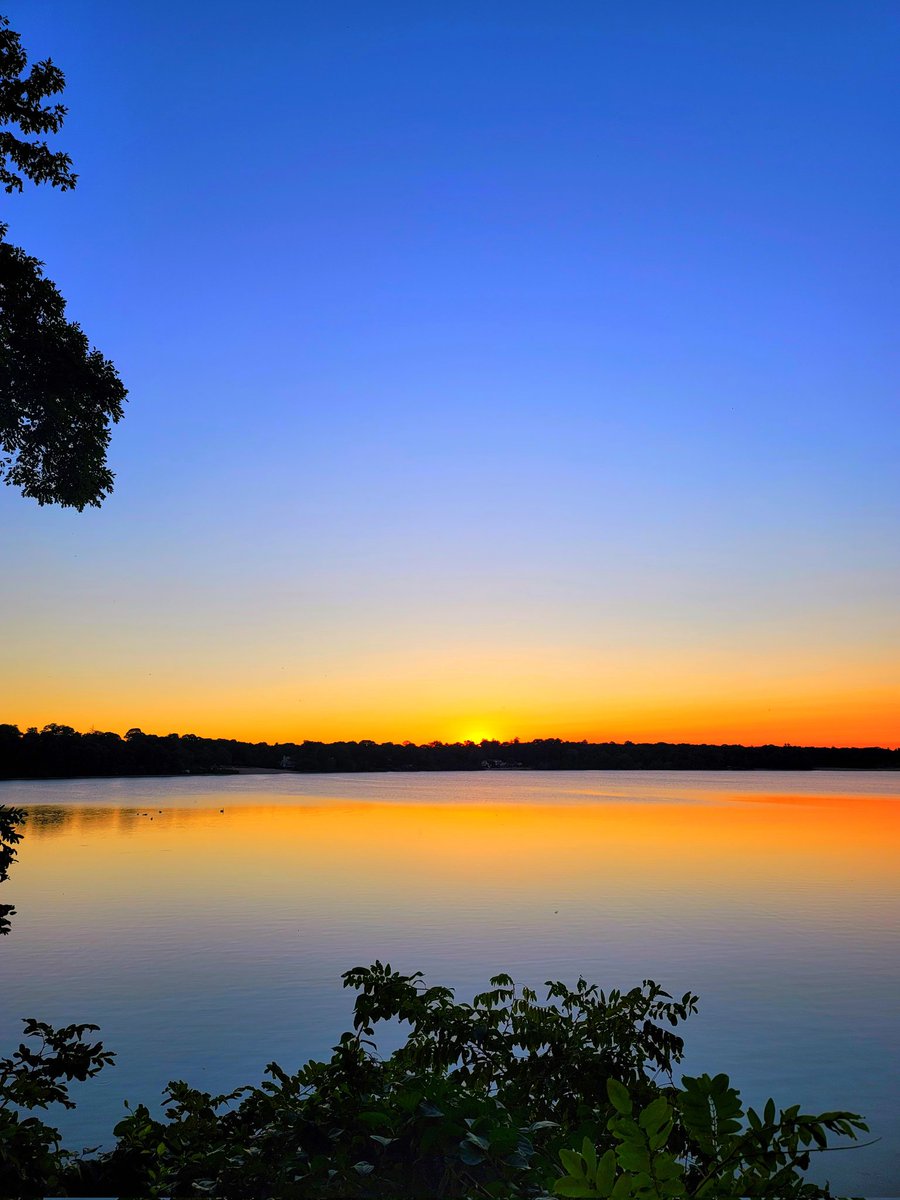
point(458, 702)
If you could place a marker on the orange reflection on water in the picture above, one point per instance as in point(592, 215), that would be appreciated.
point(778, 848)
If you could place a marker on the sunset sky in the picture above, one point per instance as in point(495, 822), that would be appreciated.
point(510, 369)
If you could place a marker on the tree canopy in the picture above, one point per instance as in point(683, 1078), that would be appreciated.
point(22, 105)
point(59, 397)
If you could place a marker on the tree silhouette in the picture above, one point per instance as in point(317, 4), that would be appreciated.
point(21, 105)
point(10, 820)
point(58, 396)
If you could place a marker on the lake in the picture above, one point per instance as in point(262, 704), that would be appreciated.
point(204, 923)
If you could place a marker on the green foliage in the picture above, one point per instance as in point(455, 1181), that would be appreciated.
point(765, 1157)
point(711, 1110)
point(639, 1166)
point(691, 1142)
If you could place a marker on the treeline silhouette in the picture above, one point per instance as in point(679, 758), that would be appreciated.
point(58, 751)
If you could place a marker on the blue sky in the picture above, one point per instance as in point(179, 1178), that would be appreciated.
point(458, 334)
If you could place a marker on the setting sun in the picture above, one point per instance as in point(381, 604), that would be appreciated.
point(477, 733)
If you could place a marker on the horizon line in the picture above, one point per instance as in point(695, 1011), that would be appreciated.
point(67, 730)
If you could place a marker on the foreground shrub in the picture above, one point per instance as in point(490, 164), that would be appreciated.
point(35, 1076)
point(481, 1100)
point(693, 1143)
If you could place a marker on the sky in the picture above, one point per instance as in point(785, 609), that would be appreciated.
point(522, 369)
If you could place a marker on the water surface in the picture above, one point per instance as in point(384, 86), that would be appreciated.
point(204, 922)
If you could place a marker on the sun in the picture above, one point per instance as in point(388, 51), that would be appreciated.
point(477, 733)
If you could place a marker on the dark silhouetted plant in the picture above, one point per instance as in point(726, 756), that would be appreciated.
point(480, 1100)
point(35, 1076)
point(58, 397)
point(10, 836)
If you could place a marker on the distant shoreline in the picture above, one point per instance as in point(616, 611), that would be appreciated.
point(59, 752)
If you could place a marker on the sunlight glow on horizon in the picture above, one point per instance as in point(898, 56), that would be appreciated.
point(863, 719)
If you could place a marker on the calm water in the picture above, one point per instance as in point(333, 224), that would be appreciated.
point(207, 942)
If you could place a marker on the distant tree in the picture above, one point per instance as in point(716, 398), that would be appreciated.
point(58, 396)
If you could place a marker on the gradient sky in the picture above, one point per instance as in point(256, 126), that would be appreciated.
point(510, 369)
